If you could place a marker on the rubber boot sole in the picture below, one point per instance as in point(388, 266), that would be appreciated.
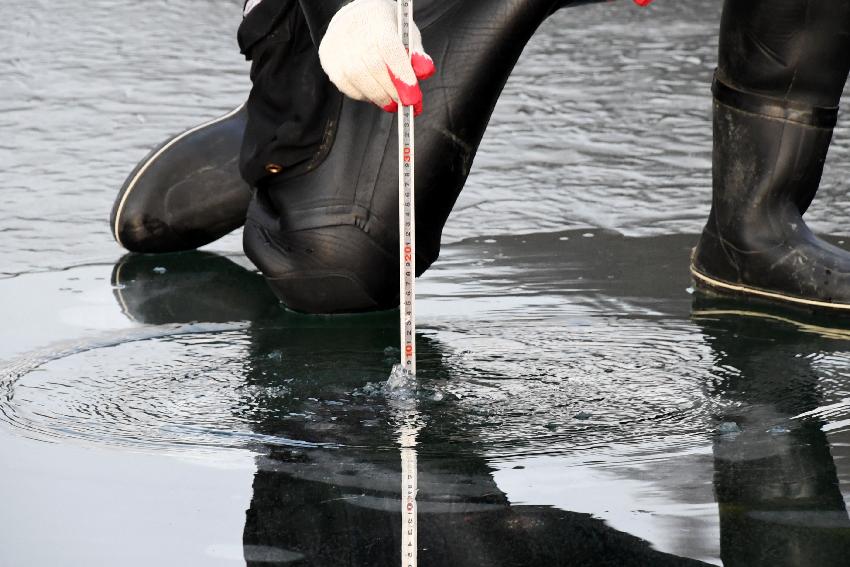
point(728, 288)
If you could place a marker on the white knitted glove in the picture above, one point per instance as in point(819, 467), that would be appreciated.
point(364, 56)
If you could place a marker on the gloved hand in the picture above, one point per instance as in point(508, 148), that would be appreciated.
point(364, 56)
point(643, 3)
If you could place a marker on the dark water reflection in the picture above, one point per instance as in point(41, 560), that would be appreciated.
point(638, 408)
point(775, 479)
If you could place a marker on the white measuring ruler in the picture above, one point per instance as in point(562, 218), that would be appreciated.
point(407, 283)
point(406, 210)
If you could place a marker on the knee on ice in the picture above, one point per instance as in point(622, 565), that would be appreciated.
point(332, 269)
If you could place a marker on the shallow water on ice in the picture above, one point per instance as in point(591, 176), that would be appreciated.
point(571, 390)
point(557, 377)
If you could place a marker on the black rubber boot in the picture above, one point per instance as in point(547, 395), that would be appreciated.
point(185, 193)
point(768, 160)
point(195, 187)
point(781, 72)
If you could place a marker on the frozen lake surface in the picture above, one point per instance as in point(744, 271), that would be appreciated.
point(578, 404)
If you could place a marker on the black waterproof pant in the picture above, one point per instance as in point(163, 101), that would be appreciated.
point(795, 50)
point(323, 227)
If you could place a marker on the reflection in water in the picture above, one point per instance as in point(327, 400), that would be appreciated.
point(342, 506)
point(670, 396)
point(602, 341)
point(775, 480)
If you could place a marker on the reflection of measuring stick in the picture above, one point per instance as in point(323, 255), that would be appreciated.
point(406, 210)
point(409, 487)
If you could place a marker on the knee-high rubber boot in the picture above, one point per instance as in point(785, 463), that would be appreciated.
point(185, 193)
point(768, 161)
point(195, 187)
point(782, 68)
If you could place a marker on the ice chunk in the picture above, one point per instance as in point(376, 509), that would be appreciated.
point(729, 428)
point(275, 355)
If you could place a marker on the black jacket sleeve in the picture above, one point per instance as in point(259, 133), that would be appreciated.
point(318, 14)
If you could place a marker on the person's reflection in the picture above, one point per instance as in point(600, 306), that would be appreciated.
point(775, 480)
point(188, 288)
point(327, 488)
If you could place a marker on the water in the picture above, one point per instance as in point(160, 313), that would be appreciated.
point(575, 404)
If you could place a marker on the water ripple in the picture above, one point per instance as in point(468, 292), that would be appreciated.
point(202, 388)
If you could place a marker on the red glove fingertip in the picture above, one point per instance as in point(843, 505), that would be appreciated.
point(423, 66)
point(643, 3)
point(409, 95)
point(392, 107)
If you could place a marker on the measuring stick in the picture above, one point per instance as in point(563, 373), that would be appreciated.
point(406, 210)
point(407, 289)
